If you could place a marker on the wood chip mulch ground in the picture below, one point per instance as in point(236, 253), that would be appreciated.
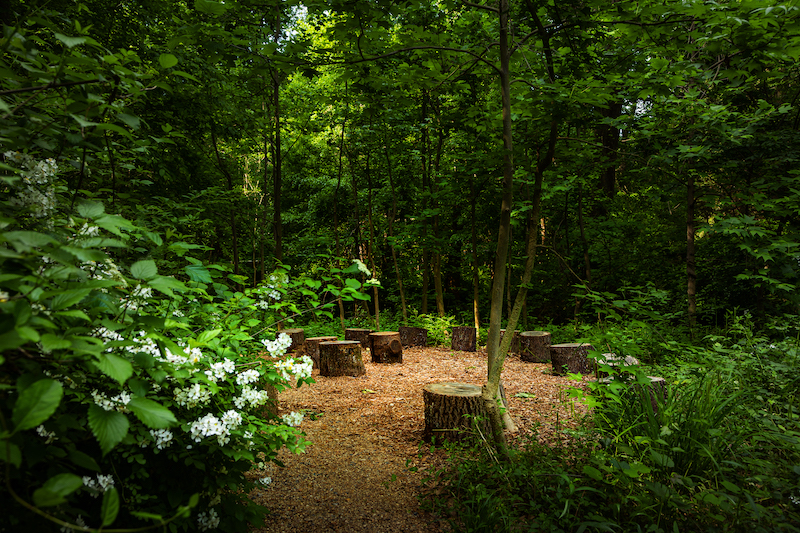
point(365, 467)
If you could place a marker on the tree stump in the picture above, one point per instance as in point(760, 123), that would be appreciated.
point(298, 337)
point(535, 346)
point(515, 343)
point(312, 348)
point(450, 409)
point(615, 362)
point(357, 334)
point(341, 358)
point(571, 357)
point(464, 339)
point(386, 347)
point(413, 336)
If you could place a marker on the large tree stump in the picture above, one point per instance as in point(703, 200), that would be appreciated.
point(450, 411)
point(413, 336)
point(617, 363)
point(312, 348)
point(341, 358)
point(534, 346)
point(515, 344)
point(357, 334)
point(298, 337)
point(386, 347)
point(464, 339)
point(571, 357)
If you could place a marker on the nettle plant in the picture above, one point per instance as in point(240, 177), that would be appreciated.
point(131, 399)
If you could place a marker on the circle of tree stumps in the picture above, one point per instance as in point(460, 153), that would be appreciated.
point(534, 346)
point(341, 358)
point(571, 357)
point(464, 339)
point(358, 334)
point(451, 409)
point(386, 347)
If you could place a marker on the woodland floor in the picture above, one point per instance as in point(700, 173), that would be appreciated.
point(359, 473)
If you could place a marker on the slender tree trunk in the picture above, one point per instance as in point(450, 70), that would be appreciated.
point(585, 243)
point(437, 261)
point(232, 213)
point(392, 216)
point(476, 291)
point(336, 196)
point(276, 160)
point(371, 243)
point(691, 273)
point(425, 281)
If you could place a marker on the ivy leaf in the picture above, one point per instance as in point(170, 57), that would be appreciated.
point(108, 427)
point(151, 413)
point(56, 489)
point(110, 507)
point(36, 404)
point(114, 366)
point(144, 269)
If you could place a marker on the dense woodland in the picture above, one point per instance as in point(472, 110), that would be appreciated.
point(626, 169)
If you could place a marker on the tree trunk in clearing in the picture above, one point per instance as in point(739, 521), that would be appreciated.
point(386, 347)
point(535, 346)
point(450, 409)
point(410, 336)
point(571, 357)
point(341, 358)
point(464, 339)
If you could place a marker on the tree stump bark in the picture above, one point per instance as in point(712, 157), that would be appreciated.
point(535, 346)
point(312, 348)
point(413, 336)
point(616, 363)
point(571, 357)
point(341, 358)
point(515, 342)
point(386, 347)
point(357, 334)
point(464, 339)
point(450, 409)
point(298, 337)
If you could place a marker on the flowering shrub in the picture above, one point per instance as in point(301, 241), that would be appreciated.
point(130, 398)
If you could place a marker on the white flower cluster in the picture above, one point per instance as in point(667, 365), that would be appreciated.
point(293, 369)
point(162, 438)
point(210, 425)
point(208, 520)
point(49, 435)
point(142, 292)
point(89, 231)
point(362, 267)
point(248, 376)
point(265, 480)
point(143, 343)
point(293, 419)
point(279, 346)
point(36, 190)
point(275, 281)
point(262, 304)
point(78, 522)
point(192, 396)
point(251, 397)
point(117, 402)
point(220, 370)
point(102, 484)
point(104, 270)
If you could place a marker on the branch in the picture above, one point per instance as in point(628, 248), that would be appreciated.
point(51, 85)
point(480, 6)
point(420, 47)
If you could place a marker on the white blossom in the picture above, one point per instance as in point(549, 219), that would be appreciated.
point(192, 396)
point(293, 419)
point(162, 438)
point(50, 436)
point(265, 480)
point(279, 346)
point(208, 520)
point(248, 376)
point(251, 397)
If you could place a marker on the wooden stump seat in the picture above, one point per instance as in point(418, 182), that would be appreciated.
point(341, 358)
point(410, 336)
point(615, 362)
point(450, 409)
point(386, 347)
point(515, 341)
point(298, 337)
point(358, 334)
point(535, 346)
point(464, 339)
point(571, 357)
point(312, 347)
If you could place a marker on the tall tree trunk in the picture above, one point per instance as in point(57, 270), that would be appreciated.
point(276, 165)
point(476, 291)
point(232, 213)
point(336, 196)
point(392, 216)
point(426, 166)
point(691, 273)
point(371, 243)
point(437, 262)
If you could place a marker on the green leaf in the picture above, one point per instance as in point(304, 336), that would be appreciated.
point(145, 269)
point(592, 472)
point(52, 342)
point(68, 41)
point(110, 507)
point(114, 223)
point(210, 7)
point(166, 284)
point(108, 427)
point(10, 452)
point(198, 273)
point(83, 460)
point(90, 209)
point(56, 489)
point(68, 298)
point(151, 413)
point(184, 75)
point(114, 366)
point(207, 335)
point(130, 120)
point(167, 60)
point(36, 404)
point(353, 283)
point(25, 240)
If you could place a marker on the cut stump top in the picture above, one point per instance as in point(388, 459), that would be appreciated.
point(449, 388)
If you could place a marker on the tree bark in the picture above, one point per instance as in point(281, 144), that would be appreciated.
point(311, 348)
point(410, 336)
point(341, 358)
point(358, 334)
point(298, 337)
point(691, 272)
point(450, 411)
point(385, 347)
point(464, 339)
point(535, 346)
point(571, 357)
